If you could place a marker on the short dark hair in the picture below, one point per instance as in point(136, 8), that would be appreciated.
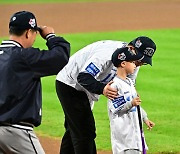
point(15, 31)
point(18, 32)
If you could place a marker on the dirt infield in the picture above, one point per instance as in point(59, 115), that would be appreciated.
point(107, 16)
point(51, 146)
point(97, 17)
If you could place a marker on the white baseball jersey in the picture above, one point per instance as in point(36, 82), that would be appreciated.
point(94, 59)
point(125, 131)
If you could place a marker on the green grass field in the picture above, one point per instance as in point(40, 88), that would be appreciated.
point(158, 87)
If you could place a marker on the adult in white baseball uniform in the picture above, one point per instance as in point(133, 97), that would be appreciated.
point(87, 75)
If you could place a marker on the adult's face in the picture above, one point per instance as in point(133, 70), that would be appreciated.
point(138, 62)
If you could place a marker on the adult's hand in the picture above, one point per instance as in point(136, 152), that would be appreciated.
point(110, 92)
point(44, 31)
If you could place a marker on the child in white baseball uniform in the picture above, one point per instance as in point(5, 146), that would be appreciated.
point(125, 131)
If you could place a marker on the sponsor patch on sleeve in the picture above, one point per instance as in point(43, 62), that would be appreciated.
point(118, 102)
point(92, 69)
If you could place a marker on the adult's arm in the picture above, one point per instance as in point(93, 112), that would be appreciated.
point(92, 85)
point(48, 62)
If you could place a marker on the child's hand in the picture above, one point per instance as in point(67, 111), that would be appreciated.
point(136, 101)
point(150, 124)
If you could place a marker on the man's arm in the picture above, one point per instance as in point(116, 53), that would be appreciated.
point(47, 62)
point(92, 85)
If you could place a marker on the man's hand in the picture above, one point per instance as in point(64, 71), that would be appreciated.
point(44, 31)
point(110, 92)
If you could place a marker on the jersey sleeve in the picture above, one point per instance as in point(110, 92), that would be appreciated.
point(47, 62)
point(144, 115)
point(96, 64)
point(92, 69)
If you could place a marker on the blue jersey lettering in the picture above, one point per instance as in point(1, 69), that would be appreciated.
point(117, 102)
point(92, 69)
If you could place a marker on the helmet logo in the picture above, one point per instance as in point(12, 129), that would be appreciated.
point(122, 56)
point(149, 51)
point(14, 18)
point(138, 44)
point(32, 22)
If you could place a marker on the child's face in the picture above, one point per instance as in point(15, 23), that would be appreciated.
point(130, 67)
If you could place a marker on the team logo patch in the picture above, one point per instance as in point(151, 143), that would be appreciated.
point(92, 69)
point(122, 56)
point(32, 22)
point(118, 102)
point(138, 44)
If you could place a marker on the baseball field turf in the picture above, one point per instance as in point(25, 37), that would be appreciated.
point(158, 86)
